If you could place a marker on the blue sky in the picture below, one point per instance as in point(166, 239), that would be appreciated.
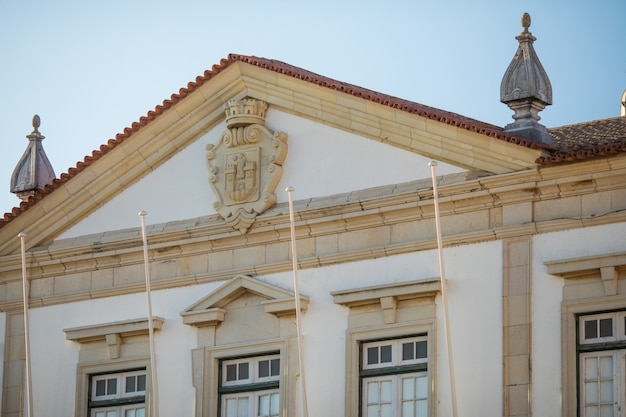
point(90, 69)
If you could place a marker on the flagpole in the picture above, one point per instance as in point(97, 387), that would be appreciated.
point(444, 291)
point(153, 366)
point(294, 258)
point(28, 383)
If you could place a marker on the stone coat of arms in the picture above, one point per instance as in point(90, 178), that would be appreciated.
point(246, 164)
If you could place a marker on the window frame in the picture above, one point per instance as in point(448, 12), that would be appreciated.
point(571, 312)
point(356, 338)
point(252, 386)
point(613, 346)
point(209, 358)
point(395, 370)
point(253, 396)
point(86, 371)
point(121, 378)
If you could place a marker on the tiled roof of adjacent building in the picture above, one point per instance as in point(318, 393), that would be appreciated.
point(585, 140)
point(562, 151)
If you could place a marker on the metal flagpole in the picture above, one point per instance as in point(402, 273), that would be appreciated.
point(444, 295)
point(153, 366)
point(28, 383)
point(294, 258)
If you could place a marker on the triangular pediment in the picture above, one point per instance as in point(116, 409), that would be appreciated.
point(148, 144)
point(211, 310)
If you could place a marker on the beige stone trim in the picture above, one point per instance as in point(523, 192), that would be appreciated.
point(219, 317)
point(387, 296)
point(85, 370)
point(382, 123)
point(355, 336)
point(349, 227)
point(571, 309)
point(588, 265)
point(608, 267)
point(124, 328)
point(517, 327)
point(388, 311)
point(591, 284)
point(206, 364)
point(203, 318)
point(210, 310)
point(112, 334)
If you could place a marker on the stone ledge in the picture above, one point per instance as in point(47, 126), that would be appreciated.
point(124, 328)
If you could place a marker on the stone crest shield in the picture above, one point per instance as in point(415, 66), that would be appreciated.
point(245, 165)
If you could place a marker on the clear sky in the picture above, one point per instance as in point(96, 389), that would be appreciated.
point(91, 68)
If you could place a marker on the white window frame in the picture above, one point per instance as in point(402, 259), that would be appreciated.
point(253, 370)
point(397, 399)
point(118, 410)
point(120, 377)
point(209, 360)
point(375, 372)
point(618, 324)
point(613, 347)
point(617, 375)
point(253, 400)
point(396, 352)
point(255, 385)
point(106, 403)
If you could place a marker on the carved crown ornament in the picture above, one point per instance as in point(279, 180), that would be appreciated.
point(245, 166)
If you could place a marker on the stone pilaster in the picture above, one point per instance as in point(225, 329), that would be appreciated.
point(517, 328)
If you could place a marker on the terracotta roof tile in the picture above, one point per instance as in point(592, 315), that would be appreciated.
point(587, 140)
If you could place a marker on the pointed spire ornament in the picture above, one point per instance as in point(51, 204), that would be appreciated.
point(33, 171)
point(526, 89)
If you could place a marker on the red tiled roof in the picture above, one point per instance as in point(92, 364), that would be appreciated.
point(587, 140)
point(289, 70)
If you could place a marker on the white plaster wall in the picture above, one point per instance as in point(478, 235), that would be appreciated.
point(475, 310)
point(473, 271)
point(547, 297)
point(321, 161)
point(52, 355)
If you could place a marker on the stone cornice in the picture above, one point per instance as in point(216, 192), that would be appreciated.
point(472, 210)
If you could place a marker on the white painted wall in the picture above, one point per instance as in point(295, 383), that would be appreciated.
point(547, 297)
point(474, 272)
point(473, 275)
point(321, 161)
point(54, 359)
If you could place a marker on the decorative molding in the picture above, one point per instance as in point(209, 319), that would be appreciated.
point(588, 265)
point(124, 328)
point(609, 279)
point(246, 164)
point(607, 267)
point(211, 310)
point(388, 295)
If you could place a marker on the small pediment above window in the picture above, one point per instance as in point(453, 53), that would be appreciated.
point(212, 309)
point(112, 334)
point(588, 265)
point(388, 296)
point(126, 328)
point(608, 267)
point(399, 291)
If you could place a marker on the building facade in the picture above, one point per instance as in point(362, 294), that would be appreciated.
point(534, 318)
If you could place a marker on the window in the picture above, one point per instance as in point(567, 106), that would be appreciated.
point(249, 387)
point(601, 351)
point(121, 394)
point(394, 377)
